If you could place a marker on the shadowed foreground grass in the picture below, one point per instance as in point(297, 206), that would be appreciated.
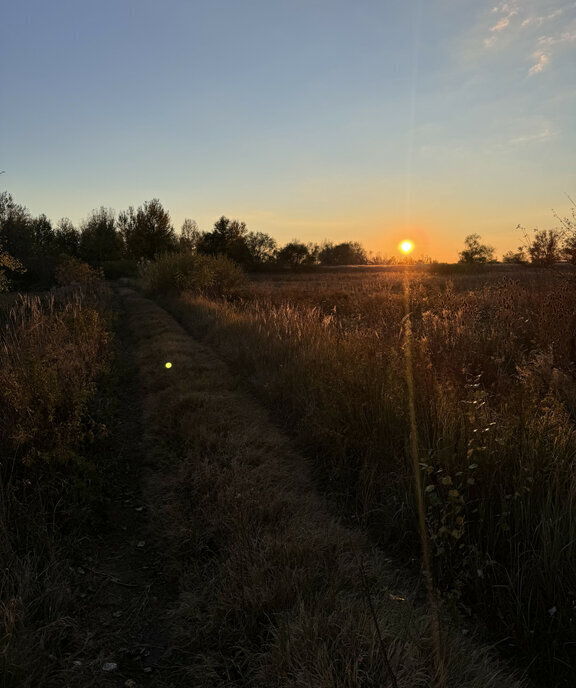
point(53, 351)
point(271, 587)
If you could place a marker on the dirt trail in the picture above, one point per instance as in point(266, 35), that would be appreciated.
point(220, 565)
point(118, 576)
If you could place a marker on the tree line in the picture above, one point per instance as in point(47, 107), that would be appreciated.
point(28, 243)
point(544, 247)
point(146, 232)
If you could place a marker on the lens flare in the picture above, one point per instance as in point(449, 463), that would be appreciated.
point(168, 364)
point(406, 246)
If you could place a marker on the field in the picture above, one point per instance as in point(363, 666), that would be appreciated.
point(345, 478)
point(490, 357)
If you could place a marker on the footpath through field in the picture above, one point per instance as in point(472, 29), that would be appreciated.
point(256, 584)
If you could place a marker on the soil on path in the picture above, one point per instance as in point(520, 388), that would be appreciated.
point(119, 580)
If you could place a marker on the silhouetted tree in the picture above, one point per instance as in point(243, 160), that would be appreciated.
point(516, 257)
point(545, 247)
point(262, 247)
point(99, 238)
point(475, 252)
point(148, 230)
point(16, 232)
point(569, 249)
point(43, 235)
point(66, 239)
point(190, 235)
point(295, 254)
point(228, 238)
point(347, 253)
point(569, 233)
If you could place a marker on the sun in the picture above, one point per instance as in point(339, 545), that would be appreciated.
point(406, 246)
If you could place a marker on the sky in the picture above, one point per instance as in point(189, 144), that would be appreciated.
point(340, 120)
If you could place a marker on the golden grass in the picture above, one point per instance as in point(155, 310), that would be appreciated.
point(271, 586)
point(495, 398)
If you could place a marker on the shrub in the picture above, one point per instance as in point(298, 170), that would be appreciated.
point(73, 271)
point(176, 272)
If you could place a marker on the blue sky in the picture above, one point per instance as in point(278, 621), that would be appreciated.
point(318, 119)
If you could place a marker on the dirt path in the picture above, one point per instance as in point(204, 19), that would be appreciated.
point(220, 565)
point(119, 580)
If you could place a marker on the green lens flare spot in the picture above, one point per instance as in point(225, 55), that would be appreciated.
point(168, 364)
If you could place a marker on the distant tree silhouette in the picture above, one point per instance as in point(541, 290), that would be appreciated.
point(347, 253)
point(99, 238)
point(43, 235)
point(475, 252)
point(516, 257)
point(569, 249)
point(16, 232)
point(228, 238)
point(295, 254)
point(545, 247)
point(147, 231)
point(262, 247)
point(66, 239)
point(568, 225)
point(190, 235)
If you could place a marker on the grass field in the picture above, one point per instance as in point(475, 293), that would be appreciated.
point(316, 438)
point(491, 356)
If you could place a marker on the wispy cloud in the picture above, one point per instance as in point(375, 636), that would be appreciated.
point(566, 37)
point(509, 10)
point(542, 60)
point(538, 21)
point(544, 135)
point(524, 27)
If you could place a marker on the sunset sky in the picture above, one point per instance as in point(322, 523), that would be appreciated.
point(363, 120)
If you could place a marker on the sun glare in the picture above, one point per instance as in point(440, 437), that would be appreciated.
point(406, 246)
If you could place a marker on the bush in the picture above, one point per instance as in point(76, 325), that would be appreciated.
point(176, 272)
point(72, 271)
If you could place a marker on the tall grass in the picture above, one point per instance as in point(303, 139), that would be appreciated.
point(495, 397)
point(52, 350)
point(272, 591)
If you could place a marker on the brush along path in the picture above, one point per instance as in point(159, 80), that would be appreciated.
point(272, 591)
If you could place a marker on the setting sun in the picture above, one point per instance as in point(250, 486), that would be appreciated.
point(406, 246)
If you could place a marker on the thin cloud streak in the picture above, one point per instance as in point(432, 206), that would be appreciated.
point(544, 135)
point(540, 65)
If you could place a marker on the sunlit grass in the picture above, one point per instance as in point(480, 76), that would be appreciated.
point(494, 403)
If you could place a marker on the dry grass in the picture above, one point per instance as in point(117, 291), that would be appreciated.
point(271, 590)
point(495, 404)
point(51, 351)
